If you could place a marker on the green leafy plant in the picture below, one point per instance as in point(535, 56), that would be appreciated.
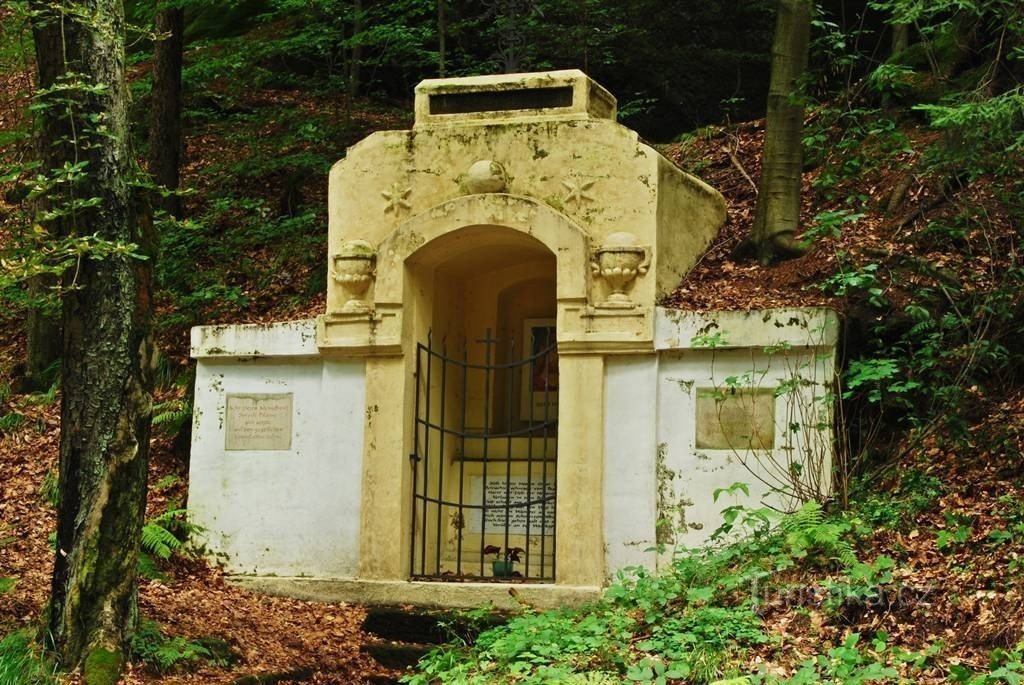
point(861, 585)
point(171, 415)
point(22, 661)
point(1005, 666)
point(11, 422)
point(828, 224)
point(150, 645)
point(163, 536)
point(958, 531)
point(166, 534)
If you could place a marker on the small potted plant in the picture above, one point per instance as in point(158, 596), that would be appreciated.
point(502, 563)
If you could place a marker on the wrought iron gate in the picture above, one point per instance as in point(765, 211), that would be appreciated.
point(484, 462)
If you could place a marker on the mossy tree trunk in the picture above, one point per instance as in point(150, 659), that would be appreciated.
point(108, 349)
point(777, 216)
point(165, 115)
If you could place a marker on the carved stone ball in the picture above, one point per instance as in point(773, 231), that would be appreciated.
point(486, 176)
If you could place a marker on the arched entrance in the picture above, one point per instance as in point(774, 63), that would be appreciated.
point(484, 454)
point(446, 275)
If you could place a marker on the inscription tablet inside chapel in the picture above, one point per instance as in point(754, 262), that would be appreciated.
point(258, 422)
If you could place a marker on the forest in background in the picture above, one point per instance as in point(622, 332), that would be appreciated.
point(912, 213)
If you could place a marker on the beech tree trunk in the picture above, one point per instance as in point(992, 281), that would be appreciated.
point(108, 348)
point(165, 115)
point(777, 216)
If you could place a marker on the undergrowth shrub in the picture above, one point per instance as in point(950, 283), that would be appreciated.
point(693, 621)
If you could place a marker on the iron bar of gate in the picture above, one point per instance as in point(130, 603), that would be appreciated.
point(440, 449)
point(529, 450)
point(415, 459)
point(426, 455)
point(508, 446)
point(518, 505)
point(425, 421)
point(486, 431)
point(544, 473)
point(547, 415)
point(462, 459)
point(479, 436)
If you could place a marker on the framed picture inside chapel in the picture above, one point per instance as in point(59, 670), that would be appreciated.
point(539, 395)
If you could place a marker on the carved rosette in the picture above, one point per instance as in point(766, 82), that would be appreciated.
point(618, 262)
point(353, 267)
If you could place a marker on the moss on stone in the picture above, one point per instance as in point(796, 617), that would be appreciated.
point(102, 667)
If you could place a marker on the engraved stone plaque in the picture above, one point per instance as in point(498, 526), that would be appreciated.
point(258, 422)
point(516, 490)
point(742, 419)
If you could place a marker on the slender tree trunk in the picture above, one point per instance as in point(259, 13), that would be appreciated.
point(356, 58)
point(900, 38)
point(442, 39)
point(108, 349)
point(44, 338)
point(778, 202)
point(165, 119)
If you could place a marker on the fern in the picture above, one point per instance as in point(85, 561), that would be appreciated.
point(168, 481)
point(171, 415)
point(159, 541)
point(149, 644)
point(164, 535)
point(807, 530)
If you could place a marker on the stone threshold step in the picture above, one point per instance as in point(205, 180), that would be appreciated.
point(502, 596)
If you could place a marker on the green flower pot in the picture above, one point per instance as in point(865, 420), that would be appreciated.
point(502, 569)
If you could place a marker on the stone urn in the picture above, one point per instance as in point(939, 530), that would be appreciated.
point(353, 267)
point(619, 261)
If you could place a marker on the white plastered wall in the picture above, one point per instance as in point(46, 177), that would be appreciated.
point(659, 486)
point(288, 512)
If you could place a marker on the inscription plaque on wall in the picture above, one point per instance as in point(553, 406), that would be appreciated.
point(736, 420)
point(519, 491)
point(258, 422)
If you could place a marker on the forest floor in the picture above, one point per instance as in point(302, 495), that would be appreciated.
point(953, 528)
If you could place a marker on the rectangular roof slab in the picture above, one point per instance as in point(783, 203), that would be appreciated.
point(547, 95)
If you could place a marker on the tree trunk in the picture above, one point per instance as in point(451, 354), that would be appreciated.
point(43, 338)
point(165, 120)
point(778, 202)
point(900, 38)
point(356, 57)
point(442, 38)
point(108, 348)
